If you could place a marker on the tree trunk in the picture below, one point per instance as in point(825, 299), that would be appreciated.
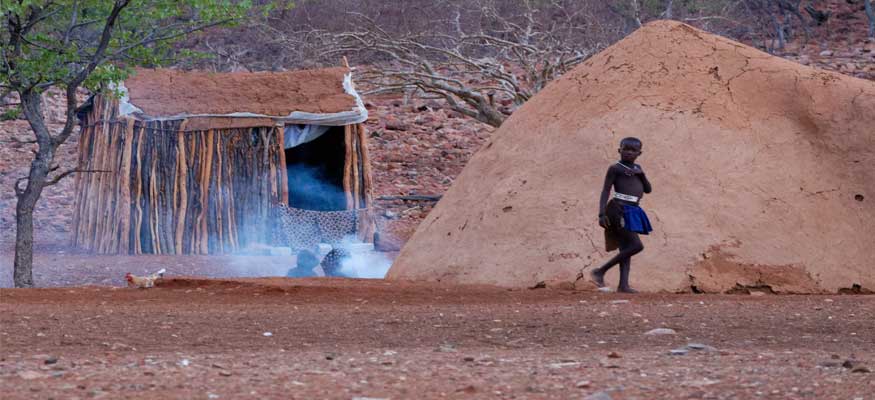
point(23, 268)
point(871, 15)
point(27, 197)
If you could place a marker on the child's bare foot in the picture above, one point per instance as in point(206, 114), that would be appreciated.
point(597, 277)
point(626, 290)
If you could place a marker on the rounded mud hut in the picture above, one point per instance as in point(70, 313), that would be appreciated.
point(213, 163)
point(762, 173)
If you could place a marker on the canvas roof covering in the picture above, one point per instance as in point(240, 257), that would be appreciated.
point(317, 97)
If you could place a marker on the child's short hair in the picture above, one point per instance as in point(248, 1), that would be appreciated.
point(631, 140)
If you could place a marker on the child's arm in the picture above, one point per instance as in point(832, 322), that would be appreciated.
point(647, 187)
point(603, 199)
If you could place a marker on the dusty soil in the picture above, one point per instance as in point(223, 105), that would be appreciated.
point(343, 339)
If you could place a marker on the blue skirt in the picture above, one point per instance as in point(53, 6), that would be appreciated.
point(635, 220)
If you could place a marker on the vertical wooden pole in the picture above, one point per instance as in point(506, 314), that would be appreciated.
point(284, 177)
point(181, 187)
point(153, 198)
point(347, 167)
point(220, 195)
point(370, 225)
point(205, 187)
point(124, 220)
point(138, 191)
point(356, 182)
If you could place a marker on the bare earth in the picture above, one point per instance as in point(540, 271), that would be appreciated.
point(343, 339)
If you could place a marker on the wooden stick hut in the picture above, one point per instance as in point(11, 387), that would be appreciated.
point(198, 163)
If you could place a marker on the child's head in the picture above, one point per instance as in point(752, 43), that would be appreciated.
point(630, 149)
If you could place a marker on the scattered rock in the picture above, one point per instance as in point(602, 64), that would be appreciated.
point(225, 373)
point(51, 360)
point(30, 375)
point(446, 348)
point(564, 364)
point(598, 396)
point(678, 352)
point(826, 53)
point(661, 331)
point(583, 384)
point(267, 334)
point(394, 124)
point(468, 359)
point(861, 369)
point(619, 301)
point(700, 346)
point(470, 389)
point(614, 354)
point(850, 364)
point(605, 289)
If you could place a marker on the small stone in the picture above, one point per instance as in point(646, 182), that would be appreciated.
point(582, 384)
point(619, 301)
point(598, 396)
point(826, 53)
point(850, 364)
point(446, 348)
point(468, 359)
point(267, 334)
point(861, 369)
point(30, 375)
point(225, 373)
point(470, 389)
point(605, 289)
point(51, 360)
point(700, 346)
point(661, 331)
point(678, 352)
point(614, 354)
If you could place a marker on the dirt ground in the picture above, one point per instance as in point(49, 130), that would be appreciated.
point(346, 339)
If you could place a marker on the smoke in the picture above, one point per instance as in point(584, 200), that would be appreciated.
point(252, 266)
point(315, 188)
point(363, 261)
point(313, 185)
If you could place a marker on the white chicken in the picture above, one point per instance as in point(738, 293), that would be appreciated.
point(144, 282)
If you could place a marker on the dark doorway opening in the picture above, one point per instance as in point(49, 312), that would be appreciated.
point(315, 172)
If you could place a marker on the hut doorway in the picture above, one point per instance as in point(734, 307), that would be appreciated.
point(315, 172)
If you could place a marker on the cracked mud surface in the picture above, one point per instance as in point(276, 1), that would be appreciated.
point(341, 339)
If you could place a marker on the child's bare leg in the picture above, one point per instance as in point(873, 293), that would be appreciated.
point(625, 268)
point(630, 245)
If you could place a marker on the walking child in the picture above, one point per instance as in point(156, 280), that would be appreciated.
point(622, 217)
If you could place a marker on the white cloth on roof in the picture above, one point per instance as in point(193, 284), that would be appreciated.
point(296, 135)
